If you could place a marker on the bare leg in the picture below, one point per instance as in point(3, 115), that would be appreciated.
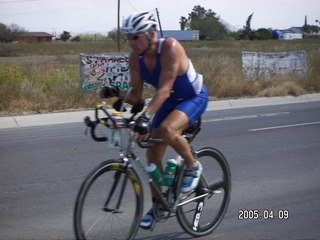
point(155, 154)
point(170, 130)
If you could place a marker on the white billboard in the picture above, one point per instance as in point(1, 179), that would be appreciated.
point(265, 65)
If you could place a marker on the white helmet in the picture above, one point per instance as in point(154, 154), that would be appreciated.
point(139, 22)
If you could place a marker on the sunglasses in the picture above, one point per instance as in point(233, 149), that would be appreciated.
point(134, 37)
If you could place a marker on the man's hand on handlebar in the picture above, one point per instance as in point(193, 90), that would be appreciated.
point(107, 92)
point(138, 107)
point(112, 91)
point(142, 129)
point(118, 105)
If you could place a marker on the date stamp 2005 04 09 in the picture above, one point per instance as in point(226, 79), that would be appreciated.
point(255, 214)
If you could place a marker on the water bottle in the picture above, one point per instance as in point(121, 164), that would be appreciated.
point(154, 173)
point(115, 133)
point(118, 119)
point(170, 172)
point(179, 160)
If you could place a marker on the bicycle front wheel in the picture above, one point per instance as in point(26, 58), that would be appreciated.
point(201, 211)
point(109, 204)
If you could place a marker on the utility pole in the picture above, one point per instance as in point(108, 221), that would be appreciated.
point(161, 34)
point(118, 26)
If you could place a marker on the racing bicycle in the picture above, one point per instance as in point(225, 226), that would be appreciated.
point(109, 204)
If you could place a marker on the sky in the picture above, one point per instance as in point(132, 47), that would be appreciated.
point(100, 16)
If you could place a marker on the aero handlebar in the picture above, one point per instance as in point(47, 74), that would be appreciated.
point(129, 123)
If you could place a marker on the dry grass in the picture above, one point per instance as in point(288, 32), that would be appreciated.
point(40, 88)
point(46, 77)
point(281, 87)
point(220, 63)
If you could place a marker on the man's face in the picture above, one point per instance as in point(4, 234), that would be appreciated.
point(138, 42)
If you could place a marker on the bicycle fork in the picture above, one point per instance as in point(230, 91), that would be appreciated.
point(116, 181)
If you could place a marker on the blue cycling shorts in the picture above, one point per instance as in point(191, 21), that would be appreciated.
point(192, 107)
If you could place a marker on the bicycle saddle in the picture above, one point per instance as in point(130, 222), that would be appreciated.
point(192, 131)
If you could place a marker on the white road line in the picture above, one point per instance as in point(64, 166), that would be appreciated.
point(284, 126)
point(245, 117)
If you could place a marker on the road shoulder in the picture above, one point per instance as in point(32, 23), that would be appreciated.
point(77, 116)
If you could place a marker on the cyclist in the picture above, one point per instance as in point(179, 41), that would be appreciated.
point(179, 100)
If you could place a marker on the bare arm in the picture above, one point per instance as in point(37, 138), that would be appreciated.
point(136, 83)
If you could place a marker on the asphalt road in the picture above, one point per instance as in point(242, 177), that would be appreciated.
point(273, 153)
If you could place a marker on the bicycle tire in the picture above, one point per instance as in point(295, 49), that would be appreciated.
point(201, 217)
point(93, 218)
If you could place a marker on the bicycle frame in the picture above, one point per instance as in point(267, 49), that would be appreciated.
point(110, 185)
point(128, 156)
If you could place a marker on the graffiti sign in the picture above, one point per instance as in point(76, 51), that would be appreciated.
point(266, 65)
point(97, 71)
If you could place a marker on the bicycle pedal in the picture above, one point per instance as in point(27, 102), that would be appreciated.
point(112, 210)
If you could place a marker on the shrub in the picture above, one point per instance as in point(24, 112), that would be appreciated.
point(7, 50)
point(10, 81)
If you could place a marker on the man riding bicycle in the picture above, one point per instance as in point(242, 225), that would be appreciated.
point(179, 100)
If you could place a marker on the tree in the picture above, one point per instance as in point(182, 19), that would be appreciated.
point(65, 36)
point(4, 33)
point(235, 35)
point(76, 39)
point(247, 29)
point(310, 29)
point(113, 35)
point(207, 23)
point(262, 34)
point(183, 23)
point(198, 13)
point(9, 33)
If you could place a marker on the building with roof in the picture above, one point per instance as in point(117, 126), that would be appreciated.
point(35, 37)
point(293, 33)
point(306, 31)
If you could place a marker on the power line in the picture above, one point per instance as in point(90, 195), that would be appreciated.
point(133, 7)
point(19, 1)
point(52, 11)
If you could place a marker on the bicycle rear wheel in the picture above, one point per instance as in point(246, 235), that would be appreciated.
point(109, 204)
point(200, 217)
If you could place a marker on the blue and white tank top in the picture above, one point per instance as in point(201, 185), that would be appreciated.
point(185, 86)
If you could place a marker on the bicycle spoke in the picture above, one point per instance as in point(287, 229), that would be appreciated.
point(94, 224)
